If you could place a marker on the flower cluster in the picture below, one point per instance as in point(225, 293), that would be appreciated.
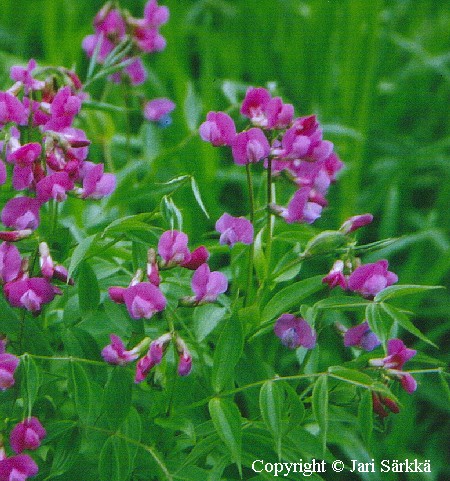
point(114, 26)
point(8, 366)
point(285, 144)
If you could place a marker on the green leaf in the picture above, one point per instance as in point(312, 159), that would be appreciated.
point(31, 381)
point(192, 108)
point(379, 322)
point(66, 452)
point(351, 375)
point(88, 290)
point(79, 253)
point(171, 214)
point(271, 399)
point(117, 397)
point(227, 353)
point(320, 407)
point(114, 462)
point(132, 429)
point(227, 422)
point(342, 303)
point(80, 390)
point(365, 416)
point(295, 409)
point(206, 318)
point(402, 320)
point(198, 197)
point(393, 292)
point(291, 295)
point(259, 259)
point(135, 223)
point(9, 321)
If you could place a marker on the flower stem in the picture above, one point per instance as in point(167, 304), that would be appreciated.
point(269, 214)
point(251, 250)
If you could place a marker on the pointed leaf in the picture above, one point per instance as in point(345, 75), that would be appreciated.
point(114, 462)
point(365, 416)
point(117, 397)
point(198, 197)
point(80, 389)
point(320, 407)
point(379, 322)
point(271, 399)
point(393, 292)
point(79, 253)
point(351, 375)
point(88, 290)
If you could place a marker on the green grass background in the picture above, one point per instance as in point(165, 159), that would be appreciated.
point(376, 72)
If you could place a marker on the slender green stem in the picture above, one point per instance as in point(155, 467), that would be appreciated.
point(251, 250)
point(68, 358)
point(269, 214)
point(126, 96)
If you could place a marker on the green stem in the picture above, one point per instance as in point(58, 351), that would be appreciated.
point(69, 359)
point(126, 96)
point(251, 250)
point(269, 214)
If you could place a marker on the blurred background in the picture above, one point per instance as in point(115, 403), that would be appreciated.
point(377, 74)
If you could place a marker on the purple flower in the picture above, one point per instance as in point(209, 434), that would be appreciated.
point(198, 257)
point(3, 173)
point(234, 229)
point(45, 260)
point(17, 468)
point(279, 115)
point(185, 358)
point(336, 276)
point(115, 353)
point(143, 300)
point(96, 184)
point(208, 285)
point(148, 39)
point(254, 105)
point(362, 337)
point(63, 110)
point(27, 435)
point(136, 72)
point(12, 109)
point(10, 262)
point(21, 213)
point(89, 45)
point(54, 186)
point(153, 268)
point(15, 235)
point(250, 146)
point(23, 159)
point(157, 109)
point(300, 209)
point(294, 332)
point(8, 365)
point(356, 222)
point(116, 294)
point(219, 129)
point(29, 294)
point(109, 21)
point(152, 358)
point(380, 402)
point(24, 75)
point(370, 279)
point(155, 15)
point(173, 249)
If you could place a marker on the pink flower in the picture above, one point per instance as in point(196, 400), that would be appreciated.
point(208, 285)
point(234, 229)
point(370, 279)
point(21, 213)
point(3, 173)
point(173, 249)
point(185, 358)
point(336, 276)
point(15, 235)
point(362, 337)
point(356, 222)
point(153, 268)
point(116, 294)
point(148, 39)
point(254, 105)
point(24, 75)
point(135, 71)
point(27, 435)
point(155, 15)
point(294, 332)
point(8, 366)
point(110, 23)
point(10, 262)
point(17, 468)
point(54, 186)
point(198, 257)
point(155, 110)
point(115, 353)
point(152, 358)
point(89, 45)
point(29, 294)
point(380, 402)
point(96, 184)
point(300, 209)
point(63, 110)
point(12, 109)
point(143, 300)
point(279, 115)
point(23, 159)
point(219, 129)
point(250, 146)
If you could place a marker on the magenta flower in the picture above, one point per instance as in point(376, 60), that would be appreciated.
point(148, 39)
point(380, 402)
point(362, 337)
point(116, 294)
point(21, 213)
point(152, 358)
point(336, 276)
point(89, 45)
point(17, 468)
point(155, 15)
point(45, 261)
point(234, 229)
point(136, 72)
point(8, 366)
point(143, 300)
point(153, 268)
point(208, 285)
point(157, 109)
point(115, 353)
point(219, 129)
point(23, 159)
point(27, 435)
point(356, 222)
point(63, 110)
point(370, 279)
point(250, 146)
point(198, 257)
point(15, 235)
point(279, 115)
point(294, 332)
point(24, 75)
point(109, 21)
point(3, 173)
point(10, 262)
point(12, 109)
point(29, 294)
point(300, 209)
point(173, 249)
point(254, 105)
point(54, 186)
point(185, 358)
point(96, 184)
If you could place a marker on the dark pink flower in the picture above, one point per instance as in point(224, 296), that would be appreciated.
point(27, 435)
point(143, 300)
point(12, 109)
point(63, 110)
point(173, 249)
point(61, 274)
point(279, 115)
point(234, 229)
point(185, 358)
point(17, 468)
point(219, 129)
point(115, 353)
point(109, 21)
point(45, 261)
point(96, 184)
point(3, 173)
point(152, 358)
point(254, 105)
point(294, 332)
point(24, 75)
point(208, 285)
point(8, 366)
point(21, 213)
point(15, 235)
point(23, 159)
point(156, 109)
point(300, 209)
point(356, 222)
point(54, 186)
point(116, 294)
point(10, 262)
point(370, 279)
point(250, 146)
point(148, 39)
point(198, 257)
point(136, 71)
point(29, 294)
point(336, 276)
point(379, 403)
point(155, 15)
point(89, 45)
point(362, 337)
point(153, 268)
